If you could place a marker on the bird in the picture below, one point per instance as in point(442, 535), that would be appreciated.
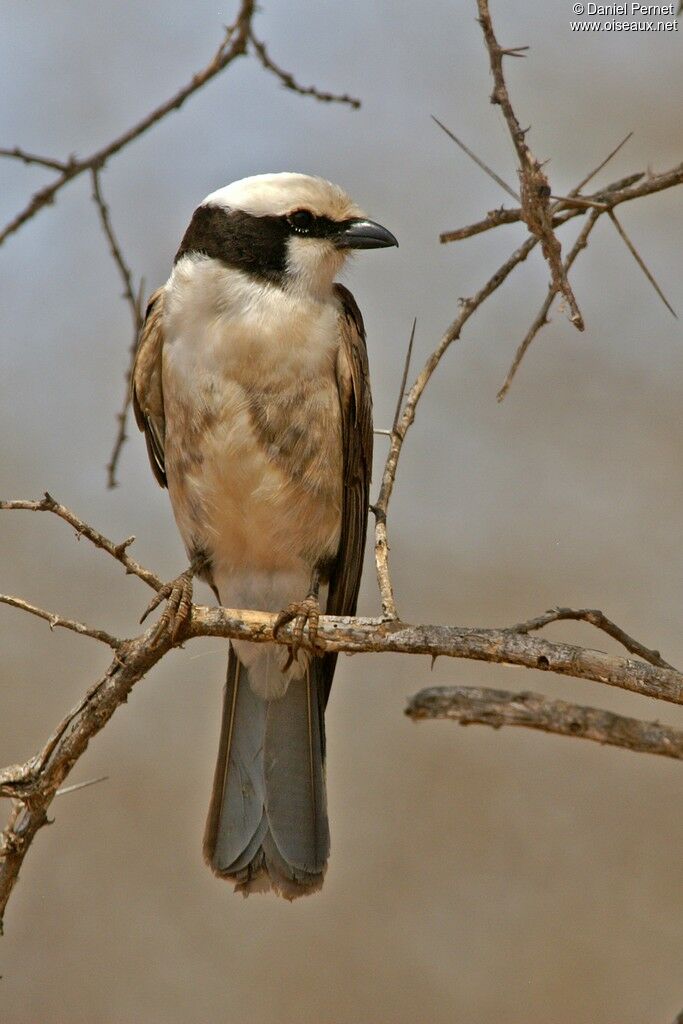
point(251, 386)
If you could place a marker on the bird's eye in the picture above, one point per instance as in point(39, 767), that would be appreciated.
point(301, 221)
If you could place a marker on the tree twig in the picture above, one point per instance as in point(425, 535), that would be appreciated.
point(467, 308)
point(55, 620)
point(596, 618)
point(610, 195)
point(634, 186)
point(33, 785)
point(542, 316)
point(470, 705)
point(134, 300)
point(31, 158)
point(290, 82)
point(83, 529)
point(534, 187)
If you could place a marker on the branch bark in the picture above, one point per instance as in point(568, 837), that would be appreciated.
point(33, 785)
point(534, 186)
point(470, 705)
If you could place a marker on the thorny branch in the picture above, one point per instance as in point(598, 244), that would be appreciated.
point(535, 190)
point(33, 785)
point(541, 218)
point(238, 38)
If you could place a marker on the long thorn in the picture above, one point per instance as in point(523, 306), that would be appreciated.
point(600, 166)
point(478, 162)
point(81, 785)
point(404, 378)
point(641, 263)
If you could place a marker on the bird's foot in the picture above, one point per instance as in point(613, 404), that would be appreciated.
point(178, 611)
point(301, 613)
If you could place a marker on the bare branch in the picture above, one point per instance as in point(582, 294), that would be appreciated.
point(233, 45)
point(58, 620)
point(542, 317)
point(386, 587)
point(134, 300)
point(289, 81)
point(535, 189)
point(609, 196)
point(33, 785)
point(493, 219)
point(122, 414)
point(129, 292)
point(474, 705)
point(596, 618)
point(117, 551)
point(31, 158)
point(467, 308)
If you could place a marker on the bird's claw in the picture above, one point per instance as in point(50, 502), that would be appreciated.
point(301, 613)
point(176, 615)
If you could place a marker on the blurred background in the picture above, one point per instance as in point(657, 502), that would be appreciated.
point(476, 876)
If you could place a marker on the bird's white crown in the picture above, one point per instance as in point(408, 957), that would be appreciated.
point(279, 194)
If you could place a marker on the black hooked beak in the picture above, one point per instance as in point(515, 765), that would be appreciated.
point(364, 234)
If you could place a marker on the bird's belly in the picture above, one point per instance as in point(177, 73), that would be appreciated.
point(255, 476)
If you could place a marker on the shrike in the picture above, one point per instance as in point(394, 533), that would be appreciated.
point(251, 385)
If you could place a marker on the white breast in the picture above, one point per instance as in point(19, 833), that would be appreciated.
point(230, 343)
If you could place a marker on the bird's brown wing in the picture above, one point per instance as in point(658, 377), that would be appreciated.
point(148, 398)
point(353, 383)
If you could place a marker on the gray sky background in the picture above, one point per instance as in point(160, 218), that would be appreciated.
point(475, 876)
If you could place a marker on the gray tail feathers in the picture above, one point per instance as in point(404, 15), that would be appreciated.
point(267, 825)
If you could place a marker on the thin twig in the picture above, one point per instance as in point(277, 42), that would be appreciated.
point(386, 587)
point(117, 551)
point(596, 618)
point(610, 195)
point(232, 46)
point(122, 414)
point(129, 292)
point(33, 786)
point(493, 219)
point(641, 262)
point(290, 82)
point(32, 158)
point(134, 301)
point(58, 620)
point(467, 308)
point(477, 705)
point(542, 317)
